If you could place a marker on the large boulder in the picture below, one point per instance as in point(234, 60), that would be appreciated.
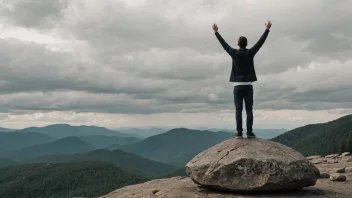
point(252, 165)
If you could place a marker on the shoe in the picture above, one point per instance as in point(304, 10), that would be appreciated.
point(238, 136)
point(251, 135)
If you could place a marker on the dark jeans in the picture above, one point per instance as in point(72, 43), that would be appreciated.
point(240, 93)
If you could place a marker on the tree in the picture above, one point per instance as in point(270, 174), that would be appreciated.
point(349, 143)
point(343, 144)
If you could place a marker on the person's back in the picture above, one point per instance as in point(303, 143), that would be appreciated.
point(243, 75)
point(243, 66)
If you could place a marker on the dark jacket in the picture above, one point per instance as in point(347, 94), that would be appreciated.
point(242, 59)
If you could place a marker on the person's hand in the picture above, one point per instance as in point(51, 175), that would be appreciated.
point(215, 27)
point(268, 25)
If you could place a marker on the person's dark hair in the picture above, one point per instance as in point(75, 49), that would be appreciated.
point(242, 42)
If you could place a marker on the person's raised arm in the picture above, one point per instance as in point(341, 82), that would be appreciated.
point(262, 39)
point(226, 46)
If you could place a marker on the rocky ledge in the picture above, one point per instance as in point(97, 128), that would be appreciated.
point(251, 168)
point(184, 187)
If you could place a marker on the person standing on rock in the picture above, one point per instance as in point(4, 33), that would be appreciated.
point(243, 75)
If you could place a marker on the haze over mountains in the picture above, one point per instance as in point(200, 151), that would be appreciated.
point(101, 141)
point(65, 130)
point(16, 140)
point(68, 145)
point(6, 130)
point(145, 132)
point(61, 140)
point(176, 146)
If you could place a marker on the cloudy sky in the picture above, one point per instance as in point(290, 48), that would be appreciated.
point(157, 63)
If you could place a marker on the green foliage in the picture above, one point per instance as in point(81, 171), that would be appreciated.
point(176, 146)
point(320, 139)
point(117, 157)
point(6, 162)
point(346, 143)
point(343, 145)
point(84, 179)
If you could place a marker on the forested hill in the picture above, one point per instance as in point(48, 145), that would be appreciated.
point(120, 158)
point(83, 179)
point(6, 162)
point(320, 139)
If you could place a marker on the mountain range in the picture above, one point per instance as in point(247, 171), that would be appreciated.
point(177, 146)
point(15, 140)
point(117, 157)
point(58, 156)
point(174, 147)
point(65, 130)
point(145, 132)
point(68, 145)
point(101, 141)
point(6, 130)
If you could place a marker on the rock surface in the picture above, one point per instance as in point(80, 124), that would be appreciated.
point(337, 177)
point(324, 175)
point(339, 170)
point(314, 157)
point(346, 154)
point(332, 156)
point(184, 187)
point(332, 161)
point(319, 160)
point(348, 170)
point(252, 165)
point(347, 159)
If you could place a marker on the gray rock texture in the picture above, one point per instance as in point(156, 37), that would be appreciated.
point(184, 187)
point(337, 177)
point(252, 165)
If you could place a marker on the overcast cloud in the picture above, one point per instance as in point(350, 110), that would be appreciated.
point(155, 62)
